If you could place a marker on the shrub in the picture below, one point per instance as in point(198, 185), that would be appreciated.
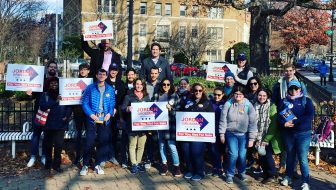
point(207, 84)
point(268, 81)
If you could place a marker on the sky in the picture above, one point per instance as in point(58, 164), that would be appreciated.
point(54, 5)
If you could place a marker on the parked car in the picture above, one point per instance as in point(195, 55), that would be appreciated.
point(182, 69)
point(135, 64)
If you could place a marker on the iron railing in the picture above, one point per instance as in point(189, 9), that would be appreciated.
point(14, 115)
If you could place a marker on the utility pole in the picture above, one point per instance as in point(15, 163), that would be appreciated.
point(130, 34)
point(331, 76)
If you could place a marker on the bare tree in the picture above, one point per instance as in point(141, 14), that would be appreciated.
point(18, 21)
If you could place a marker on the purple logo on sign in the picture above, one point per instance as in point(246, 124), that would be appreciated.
point(32, 73)
point(157, 111)
point(201, 121)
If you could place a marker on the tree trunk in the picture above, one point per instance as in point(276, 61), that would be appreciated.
point(295, 54)
point(259, 37)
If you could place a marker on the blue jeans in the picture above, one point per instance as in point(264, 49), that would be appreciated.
point(237, 146)
point(194, 157)
point(34, 144)
point(172, 147)
point(297, 144)
point(102, 133)
point(80, 126)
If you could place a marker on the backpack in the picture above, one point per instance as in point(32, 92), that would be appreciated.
point(322, 132)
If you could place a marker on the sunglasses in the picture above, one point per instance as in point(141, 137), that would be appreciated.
point(253, 83)
point(165, 84)
point(294, 88)
point(217, 94)
point(195, 90)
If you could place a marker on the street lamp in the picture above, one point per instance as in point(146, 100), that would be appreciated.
point(331, 33)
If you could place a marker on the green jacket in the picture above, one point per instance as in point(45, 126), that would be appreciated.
point(273, 134)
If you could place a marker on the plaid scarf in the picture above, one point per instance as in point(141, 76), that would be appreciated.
point(263, 118)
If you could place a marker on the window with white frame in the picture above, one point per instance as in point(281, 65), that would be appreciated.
point(143, 8)
point(107, 6)
point(162, 31)
point(168, 8)
point(214, 55)
point(194, 31)
point(183, 10)
point(143, 30)
point(216, 12)
point(215, 32)
point(195, 10)
point(158, 9)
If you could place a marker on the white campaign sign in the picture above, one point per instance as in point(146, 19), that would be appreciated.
point(71, 90)
point(98, 30)
point(195, 126)
point(150, 116)
point(216, 71)
point(24, 77)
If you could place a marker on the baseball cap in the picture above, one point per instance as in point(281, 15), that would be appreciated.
point(241, 57)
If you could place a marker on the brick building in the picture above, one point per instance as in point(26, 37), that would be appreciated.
point(159, 20)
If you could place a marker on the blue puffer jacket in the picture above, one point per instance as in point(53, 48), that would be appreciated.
point(91, 100)
point(56, 114)
point(304, 113)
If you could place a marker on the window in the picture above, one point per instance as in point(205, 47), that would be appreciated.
point(143, 8)
point(107, 6)
point(215, 32)
point(168, 9)
point(162, 31)
point(183, 10)
point(143, 30)
point(158, 8)
point(214, 55)
point(194, 11)
point(194, 31)
point(182, 33)
point(216, 12)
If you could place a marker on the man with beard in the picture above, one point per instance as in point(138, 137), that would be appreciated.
point(130, 77)
point(51, 68)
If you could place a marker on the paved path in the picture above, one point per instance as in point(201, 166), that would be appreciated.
point(121, 179)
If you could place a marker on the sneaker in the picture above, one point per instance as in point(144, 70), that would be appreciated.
point(305, 186)
point(31, 161)
point(188, 175)
point(164, 169)
point(102, 164)
point(99, 170)
point(43, 160)
point(229, 179)
point(84, 171)
point(134, 169)
point(177, 171)
point(141, 168)
point(286, 181)
point(242, 177)
point(269, 180)
point(249, 164)
point(196, 178)
point(114, 161)
point(148, 165)
point(123, 165)
point(258, 171)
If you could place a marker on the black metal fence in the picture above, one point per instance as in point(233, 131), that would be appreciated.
point(14, 114)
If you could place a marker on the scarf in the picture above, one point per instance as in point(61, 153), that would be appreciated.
point(140, 95)
point(263, 118)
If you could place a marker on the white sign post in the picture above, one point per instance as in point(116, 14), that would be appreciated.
point(150, 116)
point(25, 77)
point(216, 71)
point(98, 30)
point(195, 126)
point(71, 90)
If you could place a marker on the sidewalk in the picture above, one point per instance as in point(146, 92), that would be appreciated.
point(121, 179)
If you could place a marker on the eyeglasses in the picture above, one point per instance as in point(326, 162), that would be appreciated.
point(217, 94)
point(253, 83)
point(195, 90)
point(165, 84)
point(293, 88)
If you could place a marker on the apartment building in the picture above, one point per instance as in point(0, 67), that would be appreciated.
point(170, 22)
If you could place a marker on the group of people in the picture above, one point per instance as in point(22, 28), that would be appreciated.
point(249, 120)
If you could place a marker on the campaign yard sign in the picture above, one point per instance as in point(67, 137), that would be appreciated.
point(216, 71)
point(71, 90)
point(195, 126)
point(149, 116)
point(98, 30)
point(24, 77)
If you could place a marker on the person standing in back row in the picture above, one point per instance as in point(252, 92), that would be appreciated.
point(155, 60)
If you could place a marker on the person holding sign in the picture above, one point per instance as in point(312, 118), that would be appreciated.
point(102, 57)
point(238, 128)
point(243, 70)
point(98, 103)
point(296, 113)
point(137, 139)
point(194, 151)
point(167, 93)
point(57, 123)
